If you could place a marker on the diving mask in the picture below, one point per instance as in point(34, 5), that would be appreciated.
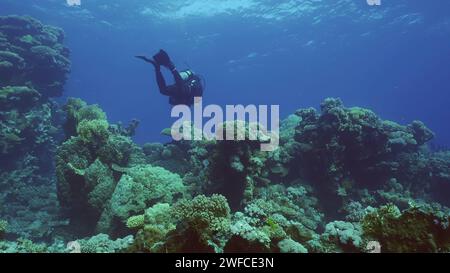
point(186, 74)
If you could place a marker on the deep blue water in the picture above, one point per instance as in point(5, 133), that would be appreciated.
point(393, 59)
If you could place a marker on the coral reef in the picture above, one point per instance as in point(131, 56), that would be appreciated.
point(143, 186)
point(153, 227)
point(201, 224)
point(230, 168)
point(213, 196)
point(33, 68)
point(344, 150)
point(32, 55)
point(342, 179)
point(101, 243)
point(89, 167)
point(277, 199)
point(22, 245)
point(172, 198)
point(418, 229)
point(204, 222)
point(277, 214)
point(343, 234)
point(3, 228)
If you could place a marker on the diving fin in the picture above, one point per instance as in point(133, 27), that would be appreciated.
point(162, 58)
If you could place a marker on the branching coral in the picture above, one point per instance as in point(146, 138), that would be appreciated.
point(278, 214)
point(345, 234)
point(190, 225)
point(22, 245)
point(157, 223)
point(207, 215)
point(291, 246)
point(102, 243)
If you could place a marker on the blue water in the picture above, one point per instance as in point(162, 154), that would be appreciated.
point(393, 58)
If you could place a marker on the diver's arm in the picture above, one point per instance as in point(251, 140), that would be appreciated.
point(176, 76)
point(161, 82)
point(159, 76)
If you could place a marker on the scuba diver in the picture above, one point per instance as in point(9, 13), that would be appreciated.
point(187, 84)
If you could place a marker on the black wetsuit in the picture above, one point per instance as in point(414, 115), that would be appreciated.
point(184, 90)
point(179, 93)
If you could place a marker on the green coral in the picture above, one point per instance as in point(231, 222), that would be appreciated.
point(71, 158)
point(207, 215)
point(29, 129)
point(158, 222)
point(100, 185)
point(11, 57)
point(90, 164)
point(28, 39)
point(234, 167)
point(413, 230)
point(32, 54)
point(198, 224)
point(421, 133)
point(49, 56)
point(136, 221)
point(141, 187)
point(77, 110)
point(102, 243)
point(120, 150)
point(277, 214)
point(87, 121)
point(359, 114)
point(93, 131)
point(346, 235)
point(20, 97)
point(22, 245)
point(3, 228)
point(203, 225)
point(291, 246)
